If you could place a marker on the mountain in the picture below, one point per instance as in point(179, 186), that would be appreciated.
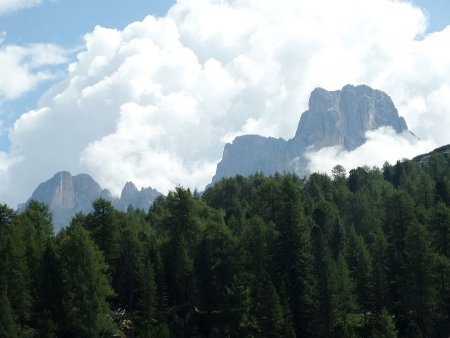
point(444, 150)
point(138, 199)
point(334, 118)
point(67, 195)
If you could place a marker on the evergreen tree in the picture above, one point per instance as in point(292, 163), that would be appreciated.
point(325, 305)
point(180, 271)
point(419, 289)
point(345, 298)
point(162, 297)
point(238, 308)
point(257, 243)
point(378, 279)
point(268, 311)
point(385, 327)
point(85, 286)
point(130, 261)
point(215, 264)
point(440, 229)
point(442, 282)
point(37, 231)
point(362, 275)
point(146, 291)
point(293, 254)
point(8, 326)
point(104, 226)
point(14, 272)
point(399, 217)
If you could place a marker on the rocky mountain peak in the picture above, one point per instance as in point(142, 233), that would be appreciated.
point(67, 195)
point(129, 191)
point(334, 118)
point(343, 117)
point(57, 192)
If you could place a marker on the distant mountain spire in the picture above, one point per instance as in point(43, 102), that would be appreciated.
point(66, 195)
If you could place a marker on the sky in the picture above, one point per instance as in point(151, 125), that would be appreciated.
point(151, 90)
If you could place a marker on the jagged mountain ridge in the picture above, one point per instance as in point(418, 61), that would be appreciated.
point(334, 118)
point(443, 150)
point(67, 195)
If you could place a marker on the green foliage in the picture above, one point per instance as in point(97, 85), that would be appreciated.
point(85, 285)
point(360, 256)
point(419, 294)
point(8, 326)
point(268, 311)
point(385, 326)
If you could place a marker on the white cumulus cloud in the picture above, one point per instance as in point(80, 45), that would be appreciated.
point(382, 145)
point(24, 67)
point(155, 102)
point(14, 5)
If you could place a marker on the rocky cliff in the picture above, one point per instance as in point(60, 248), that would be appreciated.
point(334, 118)
point(138, 199)
point(67, 195)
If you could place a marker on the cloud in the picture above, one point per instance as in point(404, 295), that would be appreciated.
point(7, 6)
point(25, 67)
point(382, 145)
point(155, 102)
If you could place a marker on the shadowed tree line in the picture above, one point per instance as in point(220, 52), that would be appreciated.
point(359, 255)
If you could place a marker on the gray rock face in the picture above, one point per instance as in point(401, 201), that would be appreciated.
point(67, 195)
point(334, 118)
point(249, 154)
point(343, 117)
point(138, 199)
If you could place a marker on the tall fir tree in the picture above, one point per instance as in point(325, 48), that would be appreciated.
point(325, 302)
point(419, 291)
point(85, 286)
point(8, 325)
point(293, 254)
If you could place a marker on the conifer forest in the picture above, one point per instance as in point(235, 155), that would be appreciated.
point(363, 253)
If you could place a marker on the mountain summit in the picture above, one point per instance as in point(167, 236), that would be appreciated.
point(334, 118)
point(67, 195)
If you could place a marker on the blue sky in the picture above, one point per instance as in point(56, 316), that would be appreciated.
point(64, 22)
point(156, 102)
point(438, 11)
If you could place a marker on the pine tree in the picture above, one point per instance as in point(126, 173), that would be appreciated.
point(85, 285)
point(385, 327)
point(440, 229)
point(293, 254)
point(8, 326)
point(399, 217)
point(180, 271)
point(378, 279)
point(257, 242)
point(442, 282)
point(162, 297)
point(268, 311)
point(362, 275)
point(103, 224)
point(129, 260)
point(419, 288)
point(238, 308)
point(215, 264)
point(146, 287)
point(14, 271)
point(325, 304)
point(37, 235)
point(344, 296)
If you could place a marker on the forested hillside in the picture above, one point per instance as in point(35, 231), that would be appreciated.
point(363, 254)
